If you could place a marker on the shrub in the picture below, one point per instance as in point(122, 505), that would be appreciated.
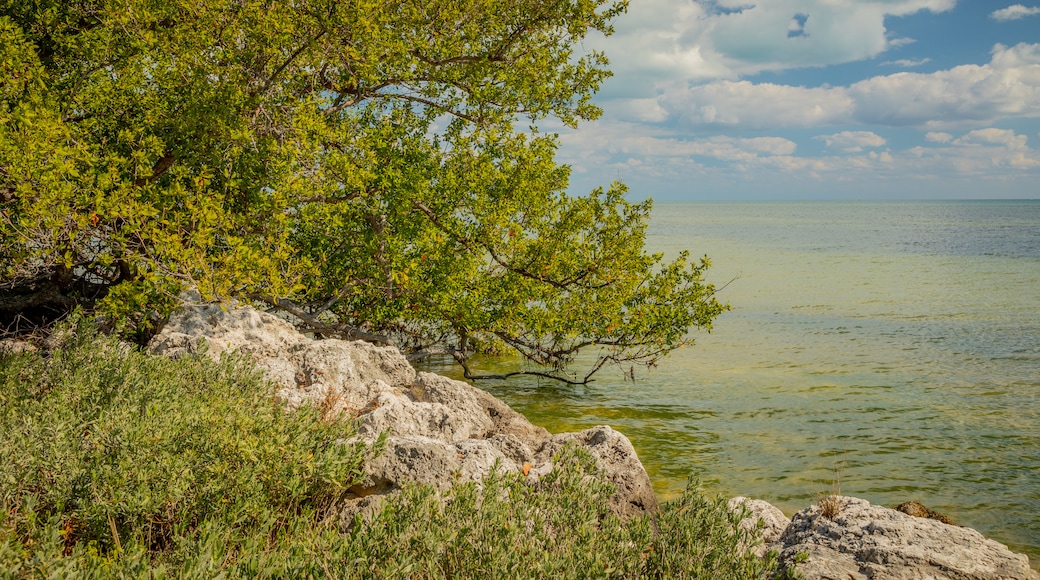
point(110, 454)
point(117, 464)
point(558, 528)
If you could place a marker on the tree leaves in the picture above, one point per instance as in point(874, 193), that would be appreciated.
point(359, 162)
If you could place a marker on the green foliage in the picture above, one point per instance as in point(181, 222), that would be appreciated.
point(560, 527)
point(109, 451)
point(357, 163)
point(117, 464)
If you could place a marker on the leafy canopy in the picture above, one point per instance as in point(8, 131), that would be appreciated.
point(373, 167)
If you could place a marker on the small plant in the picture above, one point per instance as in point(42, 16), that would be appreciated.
point(830, 503)
point(331, 405)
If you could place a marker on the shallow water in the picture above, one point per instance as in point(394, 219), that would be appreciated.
point(894, 346)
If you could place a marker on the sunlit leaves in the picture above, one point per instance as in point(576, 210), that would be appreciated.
point(361, 159)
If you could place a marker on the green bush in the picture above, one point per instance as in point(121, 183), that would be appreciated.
point(558, 528)
point(117, 464)
point(109, 453)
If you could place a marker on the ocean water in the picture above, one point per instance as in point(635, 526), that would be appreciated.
point(891, 349)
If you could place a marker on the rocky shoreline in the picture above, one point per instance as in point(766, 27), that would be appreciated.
point(440, 431)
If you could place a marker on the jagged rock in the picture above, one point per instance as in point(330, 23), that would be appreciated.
point(620, 463)
point(415, 458)
point(864, 541)
point(307, 370)
point(766, 520)
point(439, 430)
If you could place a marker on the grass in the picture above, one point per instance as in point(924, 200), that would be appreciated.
point(119, 464)
point(830, 502)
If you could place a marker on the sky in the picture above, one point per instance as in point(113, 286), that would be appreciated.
point(816, 99)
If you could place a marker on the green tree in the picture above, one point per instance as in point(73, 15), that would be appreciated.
point(373, 167)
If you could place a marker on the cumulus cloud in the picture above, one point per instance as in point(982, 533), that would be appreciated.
point(982, 151)
point(1008, 86)
point(682, 69)
point(1006, 137)
point(1014, 12)
point(625, 140)
point(639, 109)
point(656, 160)
point(853, 141)
point(659, 40)
point(756, 105)
point(902, 41)
point(778, 34)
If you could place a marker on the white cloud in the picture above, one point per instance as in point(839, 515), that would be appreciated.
point(748, 105)
point(884, 156)
point(829, 31)
point(897, 42)
point(1009, 86)
point(988, 151)
point(908, 62)
point(625, 140)
point(853, 141)
point(662, 40)
point(1006, 87)
point(680, 68)
point(663, 162)
point(1014, 12)
point(1006, 137)
point(639, 109)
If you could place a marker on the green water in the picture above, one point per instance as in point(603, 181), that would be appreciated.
point(900, 340)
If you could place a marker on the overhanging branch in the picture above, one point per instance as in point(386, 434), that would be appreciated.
point(466, 372)
point(314, 325)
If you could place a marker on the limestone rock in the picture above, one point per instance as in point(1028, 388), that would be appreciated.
point(439, 430)
point(765, 519)
point(871, 542)
point(618, 459)
point(311, 368)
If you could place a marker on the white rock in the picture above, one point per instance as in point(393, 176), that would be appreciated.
point(620, 463)
point(440, 430)
point(865, 541)
point(766, 520)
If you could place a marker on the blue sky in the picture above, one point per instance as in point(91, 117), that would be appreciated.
point(817, 99)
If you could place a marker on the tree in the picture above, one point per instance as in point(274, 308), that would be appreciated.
point(373, 167)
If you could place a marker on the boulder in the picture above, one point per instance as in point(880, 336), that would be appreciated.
point(865, 541)
point(439, 430)
point(765, 519)
point(620, 464)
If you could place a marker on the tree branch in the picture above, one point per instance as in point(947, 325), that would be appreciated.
point(429, 103)
point(466, 372)
point(161, 166)
point(274, 76)
point(316, 325)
